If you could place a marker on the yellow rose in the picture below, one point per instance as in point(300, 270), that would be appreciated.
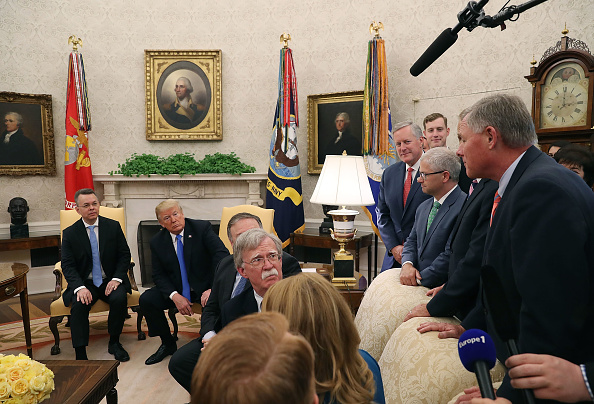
point(24, 363)
point(8, 359)
point(38, 383)
point(13, 401)
point(29, 398)
point(5, 390)
point(3, 378)
point(20, 387)
point(15, 373)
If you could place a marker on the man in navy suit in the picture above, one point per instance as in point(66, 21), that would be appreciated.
point(185, 253)
point(227, 283)
point(423, 261)
point(546, 266)
point(465, 250)
point(400, 194)
point(95, 262)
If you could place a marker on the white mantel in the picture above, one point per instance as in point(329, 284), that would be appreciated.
point(202, 196)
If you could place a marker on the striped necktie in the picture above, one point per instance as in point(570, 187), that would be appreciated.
point(495, 204)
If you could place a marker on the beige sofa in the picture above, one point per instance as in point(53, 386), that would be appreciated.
point(416, 368)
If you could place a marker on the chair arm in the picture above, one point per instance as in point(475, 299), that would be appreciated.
point(58, 274)
point(131, 275)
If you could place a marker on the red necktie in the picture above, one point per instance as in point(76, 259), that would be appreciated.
point(407, 185)
point(495, 204)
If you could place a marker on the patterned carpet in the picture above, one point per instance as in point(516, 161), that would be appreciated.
point(12, 335)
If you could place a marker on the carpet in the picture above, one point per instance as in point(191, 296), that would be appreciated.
point(12, 335)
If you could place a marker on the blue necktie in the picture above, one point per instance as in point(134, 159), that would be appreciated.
point(240, 287)
point(182, 267)
point(97, 277)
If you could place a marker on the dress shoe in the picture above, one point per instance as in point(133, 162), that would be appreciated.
point(117, 350)
point(162, 353)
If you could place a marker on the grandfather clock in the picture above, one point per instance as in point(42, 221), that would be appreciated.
point(562, 93)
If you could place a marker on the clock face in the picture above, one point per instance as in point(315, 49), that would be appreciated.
point(564, 97)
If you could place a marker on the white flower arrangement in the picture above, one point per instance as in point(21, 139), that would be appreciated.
point(23, 380)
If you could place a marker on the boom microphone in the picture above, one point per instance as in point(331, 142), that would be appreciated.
point(501, 313)
point(477, 354)
point(443, 42)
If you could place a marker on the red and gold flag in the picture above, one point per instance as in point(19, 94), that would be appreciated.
point(77, 169)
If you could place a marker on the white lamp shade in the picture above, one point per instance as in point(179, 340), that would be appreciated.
point(343, 181)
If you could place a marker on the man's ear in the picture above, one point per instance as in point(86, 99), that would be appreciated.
point(242, 272)
point(492, 136)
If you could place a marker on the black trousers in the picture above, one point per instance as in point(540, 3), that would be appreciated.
point(183, 361)
point(79, 312)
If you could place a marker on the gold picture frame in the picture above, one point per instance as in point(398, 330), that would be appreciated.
point(322, 110)
point(31, 149)
point(166, 117)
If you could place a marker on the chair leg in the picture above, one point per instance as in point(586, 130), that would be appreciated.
point(172, 313)
point(53, 325)
point(141, 334)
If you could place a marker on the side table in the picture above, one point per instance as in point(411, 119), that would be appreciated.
point(312, 238)
point(13, 281)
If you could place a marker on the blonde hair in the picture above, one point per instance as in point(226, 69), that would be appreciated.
point(167, 204)
point(255, 360)
point(317, 311)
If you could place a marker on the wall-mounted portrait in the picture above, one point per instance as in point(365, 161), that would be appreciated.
point(335, 124)
point(26, 134)
point(183, 95)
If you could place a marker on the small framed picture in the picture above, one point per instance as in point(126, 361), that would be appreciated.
point(27, 135)
point(183, 95)
point(335, 124)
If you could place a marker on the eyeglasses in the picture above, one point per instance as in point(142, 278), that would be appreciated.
point(88, 205)
point(423, 176)
point(259, 262)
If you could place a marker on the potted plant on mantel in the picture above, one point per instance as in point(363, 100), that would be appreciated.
point(182, 164)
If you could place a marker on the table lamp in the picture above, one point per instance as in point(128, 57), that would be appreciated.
point(343, 182)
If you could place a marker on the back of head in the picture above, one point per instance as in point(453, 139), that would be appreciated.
point(508, 114)
point(254, 360)
point(316, 310)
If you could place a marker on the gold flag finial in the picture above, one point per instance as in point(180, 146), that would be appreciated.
point(76, 42)
point(533, 62)
point(375, 27)
point(284, 39)
point(565, 30)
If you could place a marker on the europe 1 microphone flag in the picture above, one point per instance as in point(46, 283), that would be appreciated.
point(477, 354)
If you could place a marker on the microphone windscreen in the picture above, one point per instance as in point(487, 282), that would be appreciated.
point(434, 51)
point(476, 345)
point(499, 308)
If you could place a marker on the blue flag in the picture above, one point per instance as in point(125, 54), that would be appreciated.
point(283, 188)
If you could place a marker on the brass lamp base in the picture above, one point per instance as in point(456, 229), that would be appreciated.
point(344, 265)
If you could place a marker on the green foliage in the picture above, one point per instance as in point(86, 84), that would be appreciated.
point(182, 164)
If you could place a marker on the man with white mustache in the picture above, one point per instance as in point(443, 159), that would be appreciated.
point(258, 258)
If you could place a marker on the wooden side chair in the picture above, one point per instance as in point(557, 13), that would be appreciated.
point(57, 308)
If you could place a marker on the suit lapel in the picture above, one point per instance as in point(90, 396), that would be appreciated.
point(399, 178)
point(421, 231)
point(475, 193)
point(441, 212)
point(189, 237)
point(84, 238)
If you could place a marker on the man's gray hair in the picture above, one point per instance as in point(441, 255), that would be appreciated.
point(240, 216)
point(187, 82)
point(508, 114)
point(441, 158)
point(414, 128)
point(19, 117)
point(250, 240)
point(345, 116)
point(463, 113)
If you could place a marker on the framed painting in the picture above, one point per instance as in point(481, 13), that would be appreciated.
point(27, 135)
point(183, 95)
point(335, 124)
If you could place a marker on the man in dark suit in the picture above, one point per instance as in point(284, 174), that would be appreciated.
point(436, 131)
point(344, 139)
point(257, 256)
point(184, 255)
point(227, 283)
point(546, 266)
point(465, 250)
point(423, 261)
point(400, 194)
point(95, 262)
point(15, 147)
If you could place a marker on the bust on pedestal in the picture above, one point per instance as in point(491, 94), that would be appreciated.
point(18, 209)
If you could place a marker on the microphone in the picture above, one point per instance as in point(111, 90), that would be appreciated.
point(443, 42)
point(477, 354)
point(501, 313)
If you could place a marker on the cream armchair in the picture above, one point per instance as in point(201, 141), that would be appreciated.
point(265, 215)
point(57, 308)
